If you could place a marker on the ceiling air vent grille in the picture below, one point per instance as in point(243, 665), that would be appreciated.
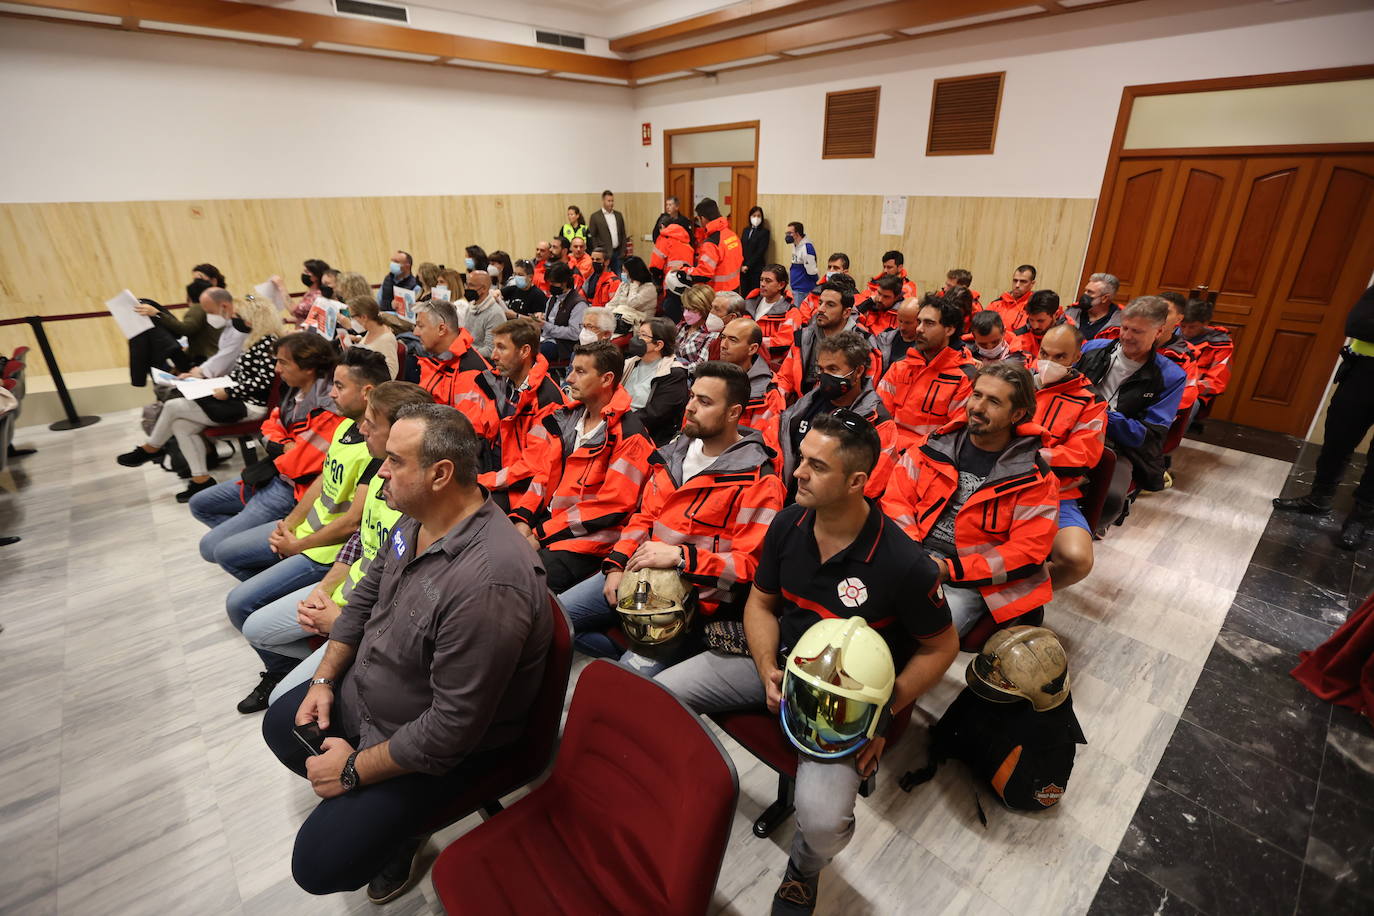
point(372, 10)
point(558, 40)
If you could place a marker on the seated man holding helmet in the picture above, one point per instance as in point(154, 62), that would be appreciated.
point(831, 556)
point(710, 495)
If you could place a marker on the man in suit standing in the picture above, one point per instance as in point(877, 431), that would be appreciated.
point(606, 229)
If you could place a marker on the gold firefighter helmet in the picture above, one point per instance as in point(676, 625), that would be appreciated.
point(655, 606)
point(1021, 663)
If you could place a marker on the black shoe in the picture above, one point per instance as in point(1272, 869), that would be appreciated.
point(8, 540)
point(797, 893)
point(398, 875)
point(20, 452)
point(1357, 526)
point(257, 700)
point(193, 488)
point(1309, 504)
point(138, 456)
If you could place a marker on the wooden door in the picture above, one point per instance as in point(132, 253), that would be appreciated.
point(680, 186)
point(1194, 216)
point(1325, 268)
point(743, 196)
point(1133, 216)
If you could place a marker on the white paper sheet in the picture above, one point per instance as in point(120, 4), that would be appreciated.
point(269, 290)
point(894, 216)
point(129, 321)
point(192, 388)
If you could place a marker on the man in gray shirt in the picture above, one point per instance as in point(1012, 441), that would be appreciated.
point(430, 669)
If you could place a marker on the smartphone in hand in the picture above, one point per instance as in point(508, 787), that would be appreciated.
point(311, 737)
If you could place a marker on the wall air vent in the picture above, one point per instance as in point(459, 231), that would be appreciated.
point(372, 10)
point(562, 41)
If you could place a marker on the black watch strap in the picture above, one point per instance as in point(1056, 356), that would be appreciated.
point(348, 777)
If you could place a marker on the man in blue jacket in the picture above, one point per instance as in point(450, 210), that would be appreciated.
point(1142, 388)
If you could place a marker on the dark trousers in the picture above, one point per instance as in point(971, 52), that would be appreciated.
point(566, 568)
point(1348, 420)
point(347, 840)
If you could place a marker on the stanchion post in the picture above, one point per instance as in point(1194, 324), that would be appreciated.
point(74, 420)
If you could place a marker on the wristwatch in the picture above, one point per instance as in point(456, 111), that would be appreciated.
point(348, 777)
point(328, 682)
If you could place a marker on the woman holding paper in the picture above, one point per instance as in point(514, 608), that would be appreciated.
point(378, 333)
point(186, 419)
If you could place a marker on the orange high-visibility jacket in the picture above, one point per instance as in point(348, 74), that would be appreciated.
point(766, 402)
point(672, 250)
point(453, 379)
point(538, 279)
point(1184, 355)
point(1013, 311)
point(801, 358)
point(779, 326)
point(606, 285)
point(909, 290)
point(1074, 419)
point(581, 268)
point(538, 399)
point(304, 425)
point(580, 496)
point(719, 257)
point(923, 396)
point(1003, 533)
point(867, 405)
point(1029, 342)
point(1215, 349)
point(875, 320)
point(718, 517)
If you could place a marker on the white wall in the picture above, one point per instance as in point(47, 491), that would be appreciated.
point(100, 114)
point(1062, 92)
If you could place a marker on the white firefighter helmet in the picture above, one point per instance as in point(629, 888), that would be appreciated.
point(836, 688)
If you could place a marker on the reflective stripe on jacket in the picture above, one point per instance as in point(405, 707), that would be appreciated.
point(538, 399)
point(344, 464)
point(1074, 419)
point(304, 424)
point(719, 257)
point(923, 396)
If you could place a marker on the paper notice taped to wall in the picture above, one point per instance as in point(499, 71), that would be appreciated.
point(894, 216)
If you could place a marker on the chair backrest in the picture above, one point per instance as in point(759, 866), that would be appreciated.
point(21, 354)
point(1095, 488)
point(642, 785)
point(540, 739)
point(400, 360)
point(1176, 431)
point(274, 393)
point(12, 368)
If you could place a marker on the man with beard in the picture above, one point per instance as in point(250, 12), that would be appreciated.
point(928, 388)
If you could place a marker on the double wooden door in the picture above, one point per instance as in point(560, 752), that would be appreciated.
point(1285, 242)
point(743, 192)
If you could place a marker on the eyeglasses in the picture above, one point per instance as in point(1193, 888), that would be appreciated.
point(852, 421)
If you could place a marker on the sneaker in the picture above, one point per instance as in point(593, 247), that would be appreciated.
point(138, 456)
point(796, 894)
point(193, 488)
point(398, 875)
point(257, 700)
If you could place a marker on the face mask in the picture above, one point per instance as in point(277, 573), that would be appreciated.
point(586, 336)
point(520, 282)
point(756, 221)
point(831, 387)
point(691, 318)
point(624, 277)
point(240, 325)
point(555, 290)
point(789, 238)
point(996, 352)
point(1049, 372)
point(307, 281)
point(327, 292)
point(470, 295)
point(598, 266)
point(494, 271)
point(469, 263)
point(216, 321)
point(1085, 301)
point(636, 347)
point(395, 269)
point(439, 293)
point(714, 322)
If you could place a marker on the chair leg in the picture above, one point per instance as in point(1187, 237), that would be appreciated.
point(780, 810)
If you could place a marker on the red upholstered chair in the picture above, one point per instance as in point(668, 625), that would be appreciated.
point(760, 733)
point(634, 818)
point(21, 354)
point(1176, 431)
point(400, 359)
point(528, 758)
point(1095, 488)
point(246, 431)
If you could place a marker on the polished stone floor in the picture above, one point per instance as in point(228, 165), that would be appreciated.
point(128, 783)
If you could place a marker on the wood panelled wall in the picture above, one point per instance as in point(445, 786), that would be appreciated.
point(989, 236)
point(70, 257)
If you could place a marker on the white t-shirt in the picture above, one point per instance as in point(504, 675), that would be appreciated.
point(695, 461)
point(611, 227)
point(585, 435)
point(765, 307)
point(1120, 369)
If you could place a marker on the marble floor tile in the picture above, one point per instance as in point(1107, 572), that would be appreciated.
point(1323, 896)
point(1340, 846)
point(1292, 735)
point(1348, 767)
point(1276, 626)
point(1258, 665)
point(1127, 892)
point(1285, 591)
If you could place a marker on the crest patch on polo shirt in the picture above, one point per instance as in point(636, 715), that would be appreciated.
point(852, 592)
point(398, 543)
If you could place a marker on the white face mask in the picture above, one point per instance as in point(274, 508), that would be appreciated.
point(216, 321)
point(714, 322)
point(756, 221)
point(586, 336)
point(1049, 372)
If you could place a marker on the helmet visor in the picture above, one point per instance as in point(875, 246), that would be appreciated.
point(821, 723)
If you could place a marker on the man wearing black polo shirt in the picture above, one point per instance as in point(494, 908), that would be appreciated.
point(832, 554)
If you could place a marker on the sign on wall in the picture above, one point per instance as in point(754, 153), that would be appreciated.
point(646, 134)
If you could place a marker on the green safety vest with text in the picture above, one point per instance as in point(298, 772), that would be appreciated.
point(378, 520)
point(344, 464)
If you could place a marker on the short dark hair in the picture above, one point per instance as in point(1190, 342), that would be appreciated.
point(846, 295)
point(409, 258)
point(368, 367)
point(637, 270)
point(960, 276)
point(839, 256)
point(855, 350)
point(316, 268)
point(1198, 310)
point(951, 314)
point(737, 389)
point(892, 284)
point(987, 321)
point(778, 271)
point(1043, 302)
point(1022, 385)
point(522, 332)
point(478, 255)
point(210, 271)
point(664, 331)
point(561, 242)
point(894, 255)
point(310, 351)
point(708, 209)
point(844, 282)
point(859, 442)
point(558, 272)
point(1030, 267)
point(1177, 300)
point(448, 436)
point(606, 356)
point(801, 230)
point(389, 397)
point(607, 193)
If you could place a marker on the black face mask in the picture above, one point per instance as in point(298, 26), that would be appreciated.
point(636, 347)
point(1085, 301)
point(307, 280)
point(327, 292)
point(831, 387)
point(470, 295)
point(555, 290)
point(240, 325)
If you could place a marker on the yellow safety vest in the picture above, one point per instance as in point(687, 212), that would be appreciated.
point(344, 464)
point(378, 520)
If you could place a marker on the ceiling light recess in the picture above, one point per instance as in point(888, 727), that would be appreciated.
point(842, 43)
point(25, 9)
point(972, 20)
point(217, 33)
point(373, 52)
point(591, 78)
point(505, 68)
point(732, 64)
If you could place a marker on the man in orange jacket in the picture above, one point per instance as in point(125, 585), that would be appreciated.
point(541, 261)
point(928, 388)
point(711, 495)
point(878, 313)
point(1074, 419)
point(798, 372)
point(589, 464)
point(1011, 305)
point(720, 254)
point(1042, 313)
point(452, 367)
point(580, 261)
point(604, 281)
point(980, 498)
point(836, 268)
point(894, 265)
point(962, 278)
point(775, 314)
point(1214, 349)
point(740, 344)
point(990, 341)
point(525, 397)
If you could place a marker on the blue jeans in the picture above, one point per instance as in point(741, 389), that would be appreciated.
point(266, 587)
point(303, 672)
point(273, 627)
point(221, 509)
point(245, 554)
point(586, 605)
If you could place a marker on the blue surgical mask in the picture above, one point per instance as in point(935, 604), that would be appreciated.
point(520, 282)
point(470, 263)
point(624, 277)
point(395, 269)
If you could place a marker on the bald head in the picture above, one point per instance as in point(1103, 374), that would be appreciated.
point(740, 341)
point(908, 318)
point(1062, 344)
